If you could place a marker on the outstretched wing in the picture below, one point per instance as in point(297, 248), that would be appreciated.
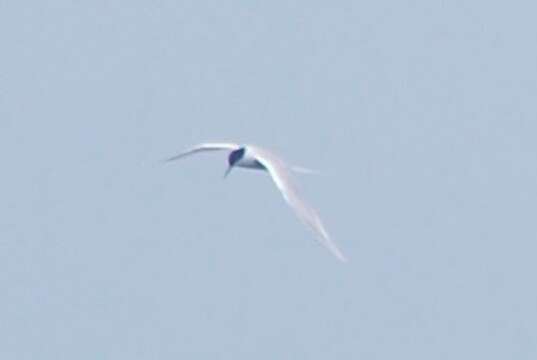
point(281, 176)
point(205, 147)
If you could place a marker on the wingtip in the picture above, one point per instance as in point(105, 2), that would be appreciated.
point(173, 158)
point(342, 258)
point(165, 161)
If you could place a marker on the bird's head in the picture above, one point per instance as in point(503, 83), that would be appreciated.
point(233, 158)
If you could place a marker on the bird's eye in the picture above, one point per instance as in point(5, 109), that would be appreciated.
point(235, 156)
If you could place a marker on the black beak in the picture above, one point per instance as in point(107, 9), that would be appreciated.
point(228, 171)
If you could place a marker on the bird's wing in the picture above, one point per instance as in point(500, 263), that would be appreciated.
point(281, 176)
point(205, 147)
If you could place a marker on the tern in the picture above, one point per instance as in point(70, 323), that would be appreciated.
point(254, 157)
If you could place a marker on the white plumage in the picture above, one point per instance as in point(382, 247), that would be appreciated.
point(254, 157)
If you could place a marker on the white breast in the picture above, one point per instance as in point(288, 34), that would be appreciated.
point(249, 161)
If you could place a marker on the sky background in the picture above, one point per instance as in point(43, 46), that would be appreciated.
point(422, 116)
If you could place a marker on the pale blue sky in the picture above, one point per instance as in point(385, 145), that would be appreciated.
point(422, 116)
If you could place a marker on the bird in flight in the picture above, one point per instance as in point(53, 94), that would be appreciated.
point(254, 157)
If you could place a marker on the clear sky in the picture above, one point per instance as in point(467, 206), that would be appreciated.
point(422, 116)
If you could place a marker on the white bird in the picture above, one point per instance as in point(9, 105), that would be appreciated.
point(254, 157)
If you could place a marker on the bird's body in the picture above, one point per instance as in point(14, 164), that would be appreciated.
point(254, 157)
point(249, 160)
